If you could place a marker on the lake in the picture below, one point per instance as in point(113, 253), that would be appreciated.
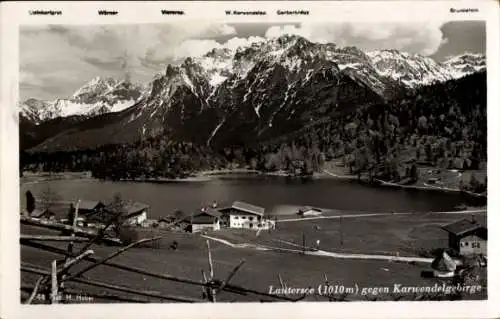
point(268, 192)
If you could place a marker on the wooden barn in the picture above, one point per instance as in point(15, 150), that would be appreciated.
point(205, 219)
point(135, 213)
point(89, 207)
point(42, 213)
point(91, 211)
point(467, 237)
point(165, 222)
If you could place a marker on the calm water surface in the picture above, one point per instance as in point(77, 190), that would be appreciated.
point(267, 192)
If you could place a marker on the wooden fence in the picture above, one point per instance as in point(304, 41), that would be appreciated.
point(51, 282)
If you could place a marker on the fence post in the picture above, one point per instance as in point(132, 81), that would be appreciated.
point(303, 243)
point(54, 294)
point(73, 225)
point(211, 291)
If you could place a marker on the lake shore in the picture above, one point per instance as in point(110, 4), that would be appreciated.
point(425, 187)
point(208, 175)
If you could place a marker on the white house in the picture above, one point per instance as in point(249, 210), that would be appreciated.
point(244, 215)
point(467, 237)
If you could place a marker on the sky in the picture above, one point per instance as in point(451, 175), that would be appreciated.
point(55, 60)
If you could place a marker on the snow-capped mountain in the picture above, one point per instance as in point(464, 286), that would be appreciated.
point(414, 70)
point(294, 53)
point(98, 96)
point(411, 70)
point(467, 63)
point(259, 91)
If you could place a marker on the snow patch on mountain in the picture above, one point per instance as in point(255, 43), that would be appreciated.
point(411, 70)
point(467, 63)
point(252, 70)
point(98, 96)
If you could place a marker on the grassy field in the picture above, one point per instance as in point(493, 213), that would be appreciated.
point(407, 234)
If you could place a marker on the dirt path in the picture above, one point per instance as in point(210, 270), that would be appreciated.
point(425, 187)
point(340, 216)
point(325, 253)
point(340, 255)
point(472, 211)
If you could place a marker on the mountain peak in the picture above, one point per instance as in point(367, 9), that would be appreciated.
point(96, 86)
point(97, 96)
point(172, 70)
point(466, 63)
point(218, 53)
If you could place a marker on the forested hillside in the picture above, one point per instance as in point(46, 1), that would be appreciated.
point(440, 125)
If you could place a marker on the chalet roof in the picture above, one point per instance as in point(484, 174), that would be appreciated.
point(462, 227)
point(248, 208)
point(211, 212)
point(443, 262)
point(38, 212)
point(134, 208)
point(203, 218)
point(167, 219)
point(88, 204)
point(309, 208)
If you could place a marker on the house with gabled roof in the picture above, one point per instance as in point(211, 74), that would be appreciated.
point(467, 237)
point(135, 213)
point(42, 213)
point(245, 215)
point(205, 219)
point(89, 207)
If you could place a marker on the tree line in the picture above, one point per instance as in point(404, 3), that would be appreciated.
point(441, 125)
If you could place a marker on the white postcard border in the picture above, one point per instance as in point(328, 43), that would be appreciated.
point(15, 14)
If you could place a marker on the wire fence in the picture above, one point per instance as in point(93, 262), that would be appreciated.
point(50, 283)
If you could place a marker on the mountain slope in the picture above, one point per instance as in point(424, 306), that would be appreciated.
point(465, 64)
point(412, 70)
point(249, 94)
point(98, 96)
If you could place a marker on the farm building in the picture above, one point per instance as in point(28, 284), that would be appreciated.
point(205, 219)
point(467, 237)
point(244, 215)
point(135, 213)
point(309, 211)
point(92, 211)
point(89, 207)
point(164, 222)
point(42, 213)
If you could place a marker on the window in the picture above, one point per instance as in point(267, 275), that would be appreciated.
point(251, 218)
point(466, 243)
point(243, 217)
point(251, 225)
point(475, 245)
point(235, 217)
